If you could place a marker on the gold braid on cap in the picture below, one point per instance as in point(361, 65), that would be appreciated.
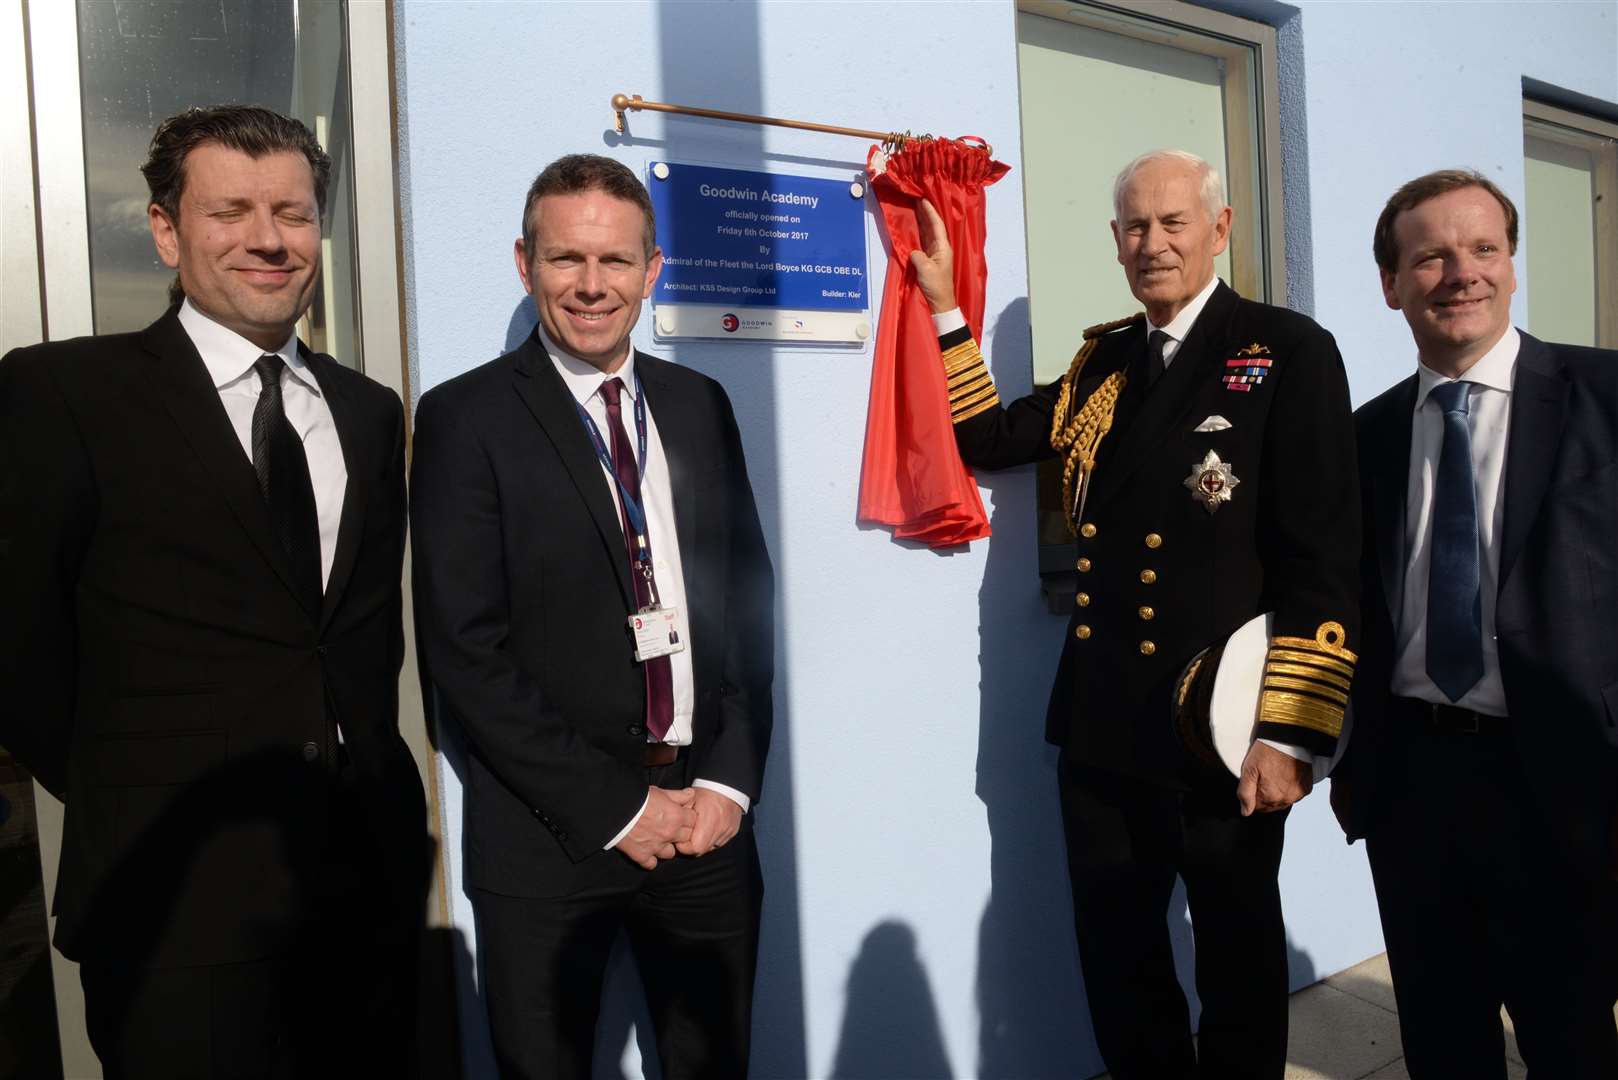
point(1306, 681)
point(1078, 434)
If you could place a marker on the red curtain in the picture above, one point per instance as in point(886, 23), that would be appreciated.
point(912, 478)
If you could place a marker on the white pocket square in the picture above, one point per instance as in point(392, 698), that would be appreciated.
point(1213, 423)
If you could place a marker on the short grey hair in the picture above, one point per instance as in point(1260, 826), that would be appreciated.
point(1213, 190)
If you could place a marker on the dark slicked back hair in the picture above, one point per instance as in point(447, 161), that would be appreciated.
point(578, 173)
point(1386, 247)
point(255, 131)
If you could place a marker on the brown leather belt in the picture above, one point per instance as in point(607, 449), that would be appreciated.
point(660, 753)
point(1452, 719)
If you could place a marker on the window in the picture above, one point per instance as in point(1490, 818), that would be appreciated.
point(1570, 225)
point(141, 62)
point(1203, 82)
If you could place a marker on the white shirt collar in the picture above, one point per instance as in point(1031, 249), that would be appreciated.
point(228, 356)
point(1494, 368)
point(583, 378)
point(1180, 325)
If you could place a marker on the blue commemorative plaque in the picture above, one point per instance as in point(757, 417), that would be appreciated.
point(751, 254)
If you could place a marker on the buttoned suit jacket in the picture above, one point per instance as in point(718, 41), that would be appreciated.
point(522, 594)
point(159, 671)
point(1287, 541)
point(1558, 590)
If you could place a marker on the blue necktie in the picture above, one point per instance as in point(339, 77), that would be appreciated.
point(1454, 599)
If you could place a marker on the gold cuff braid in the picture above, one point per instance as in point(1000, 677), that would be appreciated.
point(1306, 681)
point(971, 390)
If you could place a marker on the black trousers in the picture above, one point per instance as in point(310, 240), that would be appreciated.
point(692, 925)
point(1479, 910)
point(279, 1018)
point(339, 1002)
point(1127, 841)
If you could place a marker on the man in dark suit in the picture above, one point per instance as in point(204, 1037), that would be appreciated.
point(1209, 479)
point(1483, 768)
point(594, 609)
point(201, 542)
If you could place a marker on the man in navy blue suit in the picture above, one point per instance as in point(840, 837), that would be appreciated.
point(1483, 769)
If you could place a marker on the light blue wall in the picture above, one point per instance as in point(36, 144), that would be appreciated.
point(916, 919)
point(1397, 89)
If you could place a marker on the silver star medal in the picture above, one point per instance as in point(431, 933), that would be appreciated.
point(1211, 482)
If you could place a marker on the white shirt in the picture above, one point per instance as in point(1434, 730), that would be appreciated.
point(1179, 326)
point(1489, 421)
point(584, 381)
point(229, 358)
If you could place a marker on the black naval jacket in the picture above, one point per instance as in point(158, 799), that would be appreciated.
point(1161, 578)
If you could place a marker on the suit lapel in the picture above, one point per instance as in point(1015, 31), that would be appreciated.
point(1539, 396)
point(358, 462)
point(1170, 400)
point(675, 432)
point(1388, 474)
point(192, 401)
point(547, 399)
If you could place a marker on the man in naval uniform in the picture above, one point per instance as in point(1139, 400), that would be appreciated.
point(1209, 477)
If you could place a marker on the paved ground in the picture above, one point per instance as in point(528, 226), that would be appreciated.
point(1347, 1028)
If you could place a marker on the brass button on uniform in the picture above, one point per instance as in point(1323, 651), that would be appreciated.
point(1147, 613)
point(1087, 530)
point(1083, 599)
point(1147, 648)
point(1082, 632)
point(1148, 576)
point(1153, 540)
point(1084, 566)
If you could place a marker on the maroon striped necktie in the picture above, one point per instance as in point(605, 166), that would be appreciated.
point(659, 673)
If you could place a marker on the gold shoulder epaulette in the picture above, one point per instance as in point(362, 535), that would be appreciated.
point(1091, 332)
point(1306, 681)
point(971, 391)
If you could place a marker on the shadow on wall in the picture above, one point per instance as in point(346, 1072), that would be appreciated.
point(476, 1050)
point(1033, 1016)
point(890, 1024)
point(521, 324)
point(1300, 967)
point(748, 373)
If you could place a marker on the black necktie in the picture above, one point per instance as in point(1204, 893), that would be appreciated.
point(659, 671)
point(1454, 596)
point(1151, 364)
point(283, 477)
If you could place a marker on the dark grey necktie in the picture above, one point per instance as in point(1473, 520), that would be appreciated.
point(1454, 595)
point(1151, 366)
point(283, 477)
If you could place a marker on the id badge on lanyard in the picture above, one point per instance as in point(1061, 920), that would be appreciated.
point(655, 629)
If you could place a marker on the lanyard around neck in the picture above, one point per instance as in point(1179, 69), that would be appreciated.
point(632, 505)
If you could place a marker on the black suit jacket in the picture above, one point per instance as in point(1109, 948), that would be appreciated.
point(1558, 591)
point(522, 591)
point(1288, 541)
point(157, 668)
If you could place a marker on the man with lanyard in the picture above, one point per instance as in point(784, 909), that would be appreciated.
point(594, 611)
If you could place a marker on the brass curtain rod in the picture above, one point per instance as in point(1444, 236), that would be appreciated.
point(624, 102)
